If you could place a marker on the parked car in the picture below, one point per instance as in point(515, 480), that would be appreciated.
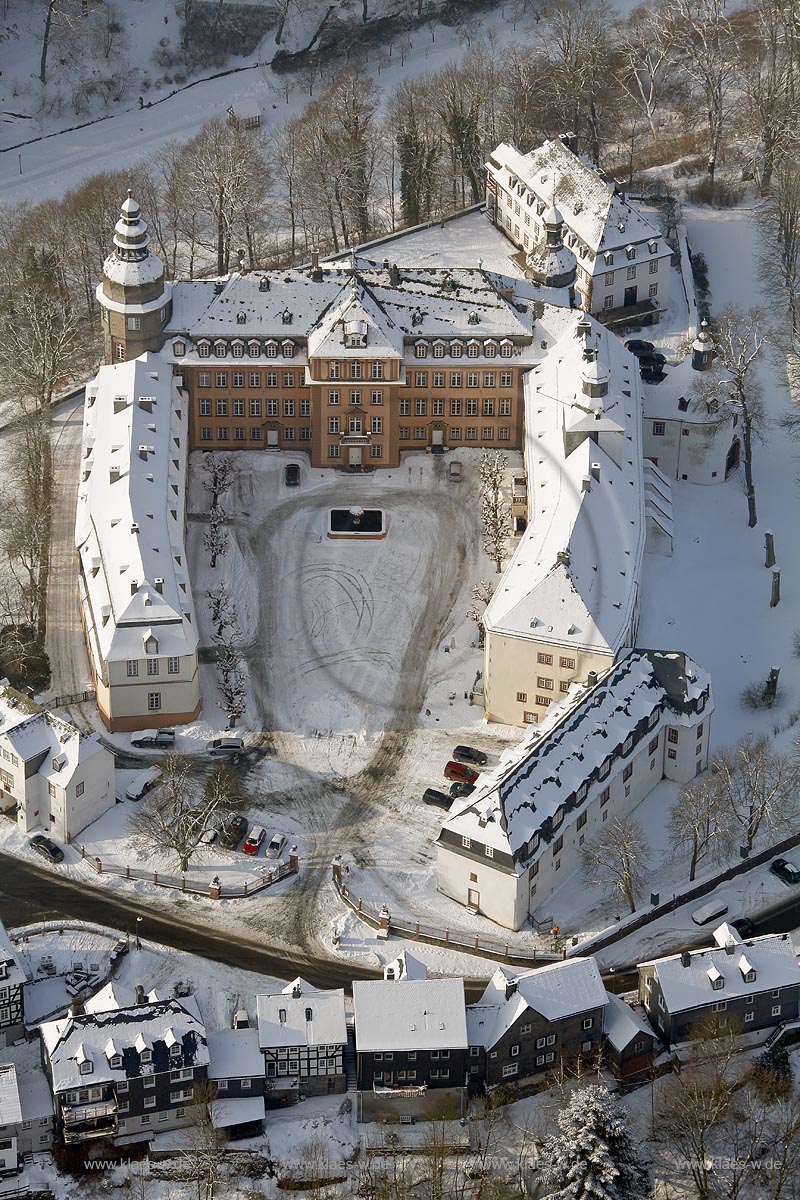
point(142, 783)
point(655, 376)
point(291, 475)
point(469, 754)
point(47, 848)
point(455, 471)
point(231, 830)
point(434, 796)
point(712, 911)
point(651, 362)
point(254, 840)
point(225, 746)
point(158, 739)
point(461, 789)
point(208, 837)
point(638, 346)
point(785, 870)
point(744, 927)
point(275, 847)
point(456, 770)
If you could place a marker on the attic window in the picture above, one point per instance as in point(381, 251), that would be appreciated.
point(716, 978)
point(253, 349)
point(115, 1060)
point(630, 252)
point(241, 317)
point(282, 1015)
point(683, 404)
point(220, 349)
point(151, 645)
point(203, 349)
point(86, 1067)
point(608, 258)
point(652, 246)
point(179, 349)
point(146, 1055)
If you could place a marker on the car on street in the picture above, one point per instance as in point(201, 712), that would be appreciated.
point(291, 475)
point(457, 771)
point(254, 840)
point(225, 746)
point(157, 739)
point(457, 790)
point(47, 848)
point(276, 844)
point(786, 871)
point(638, 346)
point(455, 471)
point(468, 754)
point(142, 783)
point(714, 910)
point(231, 830)
point(434, 796)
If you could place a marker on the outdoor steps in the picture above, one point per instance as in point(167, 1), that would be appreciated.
point(350, 1056)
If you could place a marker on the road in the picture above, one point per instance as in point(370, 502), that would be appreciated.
point(64, 639)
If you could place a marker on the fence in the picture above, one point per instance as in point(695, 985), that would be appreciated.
point(72, 698)
point(406, 927)
point(196, 887)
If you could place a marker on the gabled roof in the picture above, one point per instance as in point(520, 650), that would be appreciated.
point(53, 746)
point(773, 959)
point(405, 966)
point(10, 1108)
point(623, 1025)
point(283, 1018)
point(355, 306)
point(15, 975)
point(556, 991)
point(234, 1053)
point(418, 1014)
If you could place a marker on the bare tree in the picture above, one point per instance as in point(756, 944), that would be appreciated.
point(645, 60)
point(215, 538)
point(758, 787)
point(174, 816)
point(617, 859)
point(231, 677)
point(204, 1152)
point(767, 71)
point(697, 822)
point(223, 613)
point(482, 592)
point(495, 512)
point(218, 472)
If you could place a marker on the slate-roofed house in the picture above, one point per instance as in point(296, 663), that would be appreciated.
point(12, 981)
point(302, 1033)
point(26, 1116)
point(126, 1073)
point(236, 1072)
point(506, 848)
point(750, 985)
point(528, 1021)
point(411, 1044)
point(629, 1041)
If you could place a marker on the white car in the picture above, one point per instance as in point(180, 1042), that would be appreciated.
point(275, 847)
point(142, 783)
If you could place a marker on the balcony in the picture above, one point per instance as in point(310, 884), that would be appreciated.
point(87, 1121)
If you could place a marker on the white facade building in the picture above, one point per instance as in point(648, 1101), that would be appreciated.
point(623, 259)
point(59, 779)
point(135, 593)
point(518, 837)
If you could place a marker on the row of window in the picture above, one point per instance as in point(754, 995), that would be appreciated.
point(239, 407)
point(9, 757)
point(236, 349)
point(409, 1076)
point(240, 434)
point(490, 349)
point(608, 301)
point(630, 272)
point(489, 407)
point(488, 434)
point(153, 666)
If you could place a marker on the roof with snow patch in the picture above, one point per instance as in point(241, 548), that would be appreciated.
point(418, 1014)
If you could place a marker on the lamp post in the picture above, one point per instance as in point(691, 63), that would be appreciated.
point(138, 933)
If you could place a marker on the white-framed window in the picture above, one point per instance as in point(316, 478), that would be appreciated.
point(510, 1069)
point(776, 1010)
point(173, 666)
point(152, 666)
point(133, 668)
point(153, 701)
point(489, 851)
point(653, 289)
point(466, 842)
point(134, 322)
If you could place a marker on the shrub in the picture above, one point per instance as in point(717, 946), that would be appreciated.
point(756, 696)
point(772, 1074)
point(714, 192)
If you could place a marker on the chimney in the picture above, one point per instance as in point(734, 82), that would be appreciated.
point(394, 275)
point(296, 992)
point(140, 994)
point(314, 261)
point(595, 469)
point(591, 679)
point(143, 452)
point(686, 959)
point(76, 1008)
point(113, 474)
point(386, 264)
point(511, 987)
point(730, 946)
point(159, 585)
point(586, 483)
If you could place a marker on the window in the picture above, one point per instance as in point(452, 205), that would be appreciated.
point(333, 424)
point(487, 433)
point(510, 1069)
point(558, 846)
point(419, 433)
point(134, 322)
point(653, 266)
point(488, 851)
point(377, 396)
point(288, 408)
point(609, 277)
point(472, 406)
point(472, 433)
point(626, 774)
point(421, 350)
point(651, 749)
point(653, 290)
point(466, 842)
point(547, 659)
point(658, 428)
point(505, 379)
point(748, 1017)
point(377, 424)
point(581, 820)
point(522, 697)
point(334, 397)
point(305, 408)
point(153, 701)
point(488, 382)
point(472, 379)
point(700, 730)
point(333, 452)
point(720, 1006)
point(776, 1010)
point(404, 433)
point(133, 668)
point(376, 451)
point(272, 408)
point(608, 302)
point(631, 272)
point(205, 433)
point(204, 379)
point(237, 350)
point(221, 379)
point(355, 397)
point(254, 350)
point(672, 753)
point(222, 434)
point(543, 701)
point(149, 1101)
point(238, 406)
point(288, 352)
point(455, 379)
point(627, 745)
point(377, 370)
point(420, 408)
point(438, 407)
point(238, 379)
point(506, 350)
point(152, 666)
point(272, 378)
point(222, 407)
point(588, 1022)
point(255, 408)
point(672, 736)
point(545, 683)
point(604, 796)
point(455, 433)
point(288, 379)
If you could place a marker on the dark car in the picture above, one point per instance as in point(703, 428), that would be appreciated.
point(651, 362)
point(785, 870)
point(291, 475)
point(48, 849)
point(744, 927)
point(440, 799)
point(158, 739)
point(637, 346)
point(654, 376)
point(456, 770)
point(232, 830)
point(469, 754)
point(457, 790)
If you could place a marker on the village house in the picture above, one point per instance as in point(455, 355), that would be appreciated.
point(12, 983)
point(506, 848)
point(236, 1075)
point(302, 1034)
point(56, 778)
point(26, 1117)
point(623, 260)
point(629, 1048)
point(745, 985)
point(528, 1022)
point(126, 1073)
point(411, 1047)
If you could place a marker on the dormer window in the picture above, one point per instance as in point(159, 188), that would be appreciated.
point(253, 349)
point(580, 795)
point(151, 644)
point(718, 983)
point(456, 349)
point(146, 1056)
point(630, 252)
point(179, 349)
point(490, 348)
point(220, 349)
point(716, 978)
point(627, 745)
point(86, 1067)
point(288, 349)
point(608, 258)
point(175, 1050)
point(204, 349)
point(237, 349)
point(272, 349)
point(241, 317)
point(115, 1060)
point(652, 246)
point(438, 349)
point(604, 769)
point(506, 348)
point(421, 350)
point(653, 719)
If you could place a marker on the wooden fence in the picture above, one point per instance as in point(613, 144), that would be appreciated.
point(181, 883)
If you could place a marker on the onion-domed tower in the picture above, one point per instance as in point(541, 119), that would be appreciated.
point(134, 296)
point(550, 262)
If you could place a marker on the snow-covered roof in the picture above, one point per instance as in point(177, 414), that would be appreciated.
point(355, 311)
point(130, 517)
point(10, 1108)
point(405, 966)
point(546, 768)
point(134, 1031)
point(31, 732)
point(14, 973)
point(114, 995)
point(422, 1014)
point(622, 1024)
point(573, 580)
point(301, 1015)
point(600, 217)
point(234, 1053)
point(555, 991)
point(676, 398)
point(236, 1111)
point(772, 958)
point(35, 1097)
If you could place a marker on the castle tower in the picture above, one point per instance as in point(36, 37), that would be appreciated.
point(134, 296)
point(703, 351)
point(550, 262)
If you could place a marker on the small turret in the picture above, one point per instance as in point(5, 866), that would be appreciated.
point(134, 297)
point(703, 351)
point(550, 262)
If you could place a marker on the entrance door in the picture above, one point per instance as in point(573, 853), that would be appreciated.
point(630, 295)
point(355, 456)
point(734, 454)
point(437, 437)
point(473, 898)
point(272, 439)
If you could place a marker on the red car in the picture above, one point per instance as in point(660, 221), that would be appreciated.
point(254, 840)
point(456, 770)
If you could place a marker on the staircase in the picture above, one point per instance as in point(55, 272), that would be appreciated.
point(350, 1056)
